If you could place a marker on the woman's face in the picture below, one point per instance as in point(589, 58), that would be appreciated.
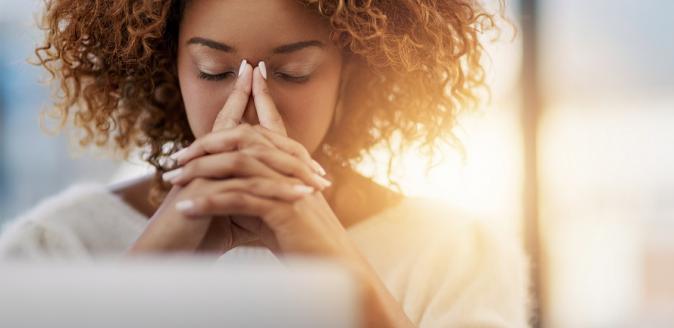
point(303, 65)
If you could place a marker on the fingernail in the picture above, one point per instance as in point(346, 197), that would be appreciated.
point(303, 189)
point(263, 69)
point(318, 167)
point(176, 156)
point(185, 206)
point(242, 67)
point(323, 181)
point(171, 175)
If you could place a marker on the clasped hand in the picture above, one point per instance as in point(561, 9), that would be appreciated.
point(256, 182)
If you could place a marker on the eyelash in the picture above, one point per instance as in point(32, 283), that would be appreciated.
point(294, 79)
point(222, 76)
point(213, 77)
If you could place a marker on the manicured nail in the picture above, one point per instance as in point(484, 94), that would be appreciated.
point(242, 67)
point(171, 175)
point(318, 168)
point(263, 69)
point(176, 156)
point(303, 189)
point(323, 181)
point(185, 206)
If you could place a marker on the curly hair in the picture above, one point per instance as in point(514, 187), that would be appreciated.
point(115, 60)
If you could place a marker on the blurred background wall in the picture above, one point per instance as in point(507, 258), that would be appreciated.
point(606, 158)
point(35, 164)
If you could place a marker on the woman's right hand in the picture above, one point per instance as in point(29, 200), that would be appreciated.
point(170, 231)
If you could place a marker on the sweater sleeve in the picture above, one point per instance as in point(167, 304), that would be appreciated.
point(27, 239)
point(82, 221)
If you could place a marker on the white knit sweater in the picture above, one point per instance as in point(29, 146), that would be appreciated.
point(446, 269)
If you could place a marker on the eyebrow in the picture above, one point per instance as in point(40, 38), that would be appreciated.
point(284, 49)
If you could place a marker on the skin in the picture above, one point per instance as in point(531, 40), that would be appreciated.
point(255, 137)
point(244, 25)
point(254, 28)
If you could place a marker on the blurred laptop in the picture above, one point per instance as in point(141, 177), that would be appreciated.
point(177, 292)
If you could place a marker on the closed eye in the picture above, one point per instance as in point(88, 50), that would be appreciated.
point(214, 77)
point(293, 78)
point(222, 76)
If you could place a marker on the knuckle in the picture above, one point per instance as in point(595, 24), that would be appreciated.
point(294, 181)
point(298, 170)
point(245, 127)
point(223, 115)
point(263, 89)
point(235, 200)
point(205, 142)
point(197, 143)
point(261, 141)
point(261, 130)
point(240, 132)
point(190, 168)
point(277, 119)
point(238, 160)
point(199, 182)
point(303, 152)
point(256, 184)
point(257, 150)
point(229, 121)
point(298, 149)
point(196, 186)
point(216, 139)
point(208, 203)
point(251, 152)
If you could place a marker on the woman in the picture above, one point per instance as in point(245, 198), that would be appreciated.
point(254, 113)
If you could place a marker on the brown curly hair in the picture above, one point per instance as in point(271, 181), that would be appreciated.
point(420, 64)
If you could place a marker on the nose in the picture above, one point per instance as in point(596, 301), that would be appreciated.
point(250, 114)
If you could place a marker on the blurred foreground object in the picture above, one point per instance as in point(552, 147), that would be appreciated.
point(179, 291)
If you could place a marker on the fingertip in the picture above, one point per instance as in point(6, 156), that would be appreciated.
point(245, 74)
point(192, 209)
point(179, 156)
point(172, 176)
point(318, 168)
point(324, 183)
point(263, 69)
point(242, 67)
point(303, 189)
point(186, 207)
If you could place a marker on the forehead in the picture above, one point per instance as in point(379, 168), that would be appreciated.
point(253, 26)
